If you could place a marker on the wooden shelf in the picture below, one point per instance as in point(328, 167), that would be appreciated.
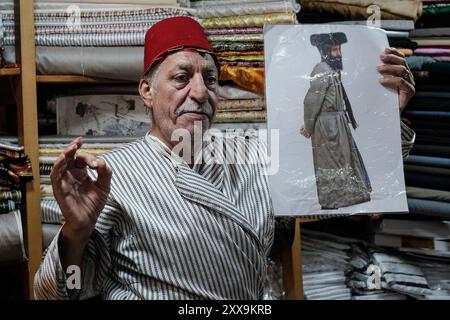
point(74, 79)
point(10, 72)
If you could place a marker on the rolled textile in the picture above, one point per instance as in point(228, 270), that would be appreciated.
point(419, 62)
point(431, 115)
point(432, 132)
point(402, 43)
point(436, 41)
point(241, 116)
point(429, 207)
point(231, 91)
point(429, 87)
point(11, 235)
point(406, 52)
point(239, 53)
point(237, 46)
point(436, 9)
point(257, 20)
point(101, 62)
point(432, 140)
point(427, 170)
point(198, 4)
point(406, 8)
point(9, 54)
point(14, 195)
point(237, 38)
point(428, 161)
point(250, 78)
point(430, 32)
point(418, 123)
point(91, 40)
point(351, 12)
point(241, 105)
point(423, 180)
point(209, 32)
point(242, 63)
point(431, 150)
point(209, 11)
point(431, 51)
point(428, 194)
point(442, 58)
point(430, 21)
point(242, 58)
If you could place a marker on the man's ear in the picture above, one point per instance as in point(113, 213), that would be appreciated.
point(146, 92)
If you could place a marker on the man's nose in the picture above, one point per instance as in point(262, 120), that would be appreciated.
point(199, 91)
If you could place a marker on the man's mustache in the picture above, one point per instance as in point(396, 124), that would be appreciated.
point(193, 107)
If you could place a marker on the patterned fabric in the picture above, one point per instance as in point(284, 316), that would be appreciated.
point(241, 116)
point(257, 20)
point(239, 53)
point(172, 232)
point(208, 11)
point(15, 195)
point(241, 104)
point(242, 63)
point(50, 212)
point(237, 46)
point(237, 37)
point(209, 32)
point(251, 79)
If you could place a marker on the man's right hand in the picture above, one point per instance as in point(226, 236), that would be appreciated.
point(80, 198)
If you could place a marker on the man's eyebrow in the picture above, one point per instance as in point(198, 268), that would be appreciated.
point(183, 65)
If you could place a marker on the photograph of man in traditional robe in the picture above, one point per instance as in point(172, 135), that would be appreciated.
point(341, 177)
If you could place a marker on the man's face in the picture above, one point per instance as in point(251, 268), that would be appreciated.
point(336, 51)
point(184, 94)
point(333, 57)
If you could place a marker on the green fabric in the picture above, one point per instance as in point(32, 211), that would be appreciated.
point(436, 10)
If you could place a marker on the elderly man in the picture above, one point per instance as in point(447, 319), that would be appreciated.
point(144, 222)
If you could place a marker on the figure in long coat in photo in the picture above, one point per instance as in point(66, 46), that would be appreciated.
point(341, 176)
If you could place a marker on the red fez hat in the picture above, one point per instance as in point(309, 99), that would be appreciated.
point(173, 34)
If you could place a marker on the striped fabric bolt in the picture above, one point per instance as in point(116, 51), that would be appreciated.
point(170, 231)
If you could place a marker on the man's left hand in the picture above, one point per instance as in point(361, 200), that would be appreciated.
point(397, 75)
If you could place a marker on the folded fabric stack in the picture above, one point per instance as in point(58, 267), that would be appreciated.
point(427, 170)
point(431, 61)
point(235, 30)
point(336, 267)
point(87, 37)
point(15, 169)
point(412, 234)
point(8, 25)
point(397, 18)
point(319, 11)
point(49, 150)
point(325, 259)
point(383, 271)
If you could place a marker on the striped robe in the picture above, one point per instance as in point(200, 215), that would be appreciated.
point(169, 231)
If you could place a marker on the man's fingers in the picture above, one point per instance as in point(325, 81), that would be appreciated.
point(394, 51)
point(397, 83)
point(83, 159)
point(394, 70)
point(393, 59)
point(104, 174)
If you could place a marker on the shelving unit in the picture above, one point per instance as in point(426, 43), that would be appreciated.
point(28, 137)
point(10, 72)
